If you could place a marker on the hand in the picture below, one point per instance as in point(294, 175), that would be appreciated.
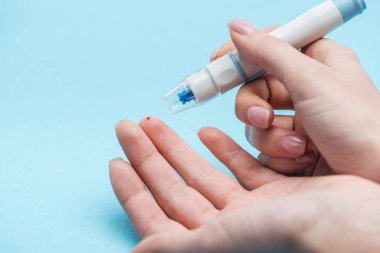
point(210, 212)
point(336, 106)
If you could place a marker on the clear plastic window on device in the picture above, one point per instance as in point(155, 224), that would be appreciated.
point(181, 98)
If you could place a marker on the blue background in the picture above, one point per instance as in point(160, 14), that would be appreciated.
point(71, 69)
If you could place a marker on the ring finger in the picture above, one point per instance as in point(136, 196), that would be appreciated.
point(277, 141)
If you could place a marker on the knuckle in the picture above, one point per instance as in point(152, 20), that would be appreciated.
point(235, 192)
point(253, 170)
point(324, 47)
point(350, 53)
point(235, 155)
point(148, 227)
point(319, 49)
point(207, 213)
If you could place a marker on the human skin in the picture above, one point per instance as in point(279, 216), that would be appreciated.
point(207, 211)
point(335, 102)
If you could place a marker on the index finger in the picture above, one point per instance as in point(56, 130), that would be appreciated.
point(229, 46)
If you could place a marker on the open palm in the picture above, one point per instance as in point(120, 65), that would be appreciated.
point(168, 188)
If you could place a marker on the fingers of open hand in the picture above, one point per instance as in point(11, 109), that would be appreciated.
point(179, 201)
point(250, 173)
point(196, 171)
point(147, 217)
point(255, 101)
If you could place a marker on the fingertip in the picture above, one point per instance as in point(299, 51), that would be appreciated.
point(150, 120)
point(114, 161)
point(252, 106)
point(236, 38)
point(123, 125)
point(209, 135)
point(294, 145)
point(201, 131)
point(117, 126)
point(242, 40)
point(260, 117)
point(223, 50)
point(214, 55)
point(241, 26)
point(205, 130)
point(151, 123)
point(127, 131)
point(120, 124)
point(116, 165)
point(202, 134)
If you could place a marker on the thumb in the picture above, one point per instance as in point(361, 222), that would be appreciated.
point(296, 70)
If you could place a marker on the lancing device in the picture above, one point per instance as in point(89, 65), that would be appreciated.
point(233, 70)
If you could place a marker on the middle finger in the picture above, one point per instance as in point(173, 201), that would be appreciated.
point(180, 202)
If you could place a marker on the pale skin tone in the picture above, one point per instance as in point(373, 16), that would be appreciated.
point(332, 96)
point(193, 207)
point(210, 212)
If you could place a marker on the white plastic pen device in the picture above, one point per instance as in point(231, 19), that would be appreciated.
point(233, 70)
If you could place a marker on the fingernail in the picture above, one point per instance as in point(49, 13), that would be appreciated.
point(294, 145)
point(115, 160)
point(200, 130)
point(258, 116)
point(214, 54)
point(241, 26)
point(307, 159)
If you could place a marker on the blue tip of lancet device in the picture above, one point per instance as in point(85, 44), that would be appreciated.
point(186, 96)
